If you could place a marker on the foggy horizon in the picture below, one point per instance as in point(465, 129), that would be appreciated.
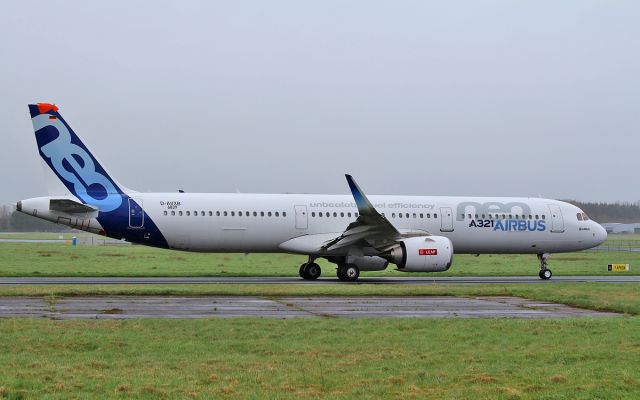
point(489, 98)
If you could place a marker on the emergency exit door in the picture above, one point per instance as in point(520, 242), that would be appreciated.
point(301, 217)
point(446, 219)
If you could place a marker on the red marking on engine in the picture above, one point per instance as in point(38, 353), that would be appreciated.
point(428, 252)
point(45, 107)
point(52, 117)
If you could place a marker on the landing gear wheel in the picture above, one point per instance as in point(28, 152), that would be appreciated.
point(302, 272)
point(312, 271)
point(348, 273)
point(545, 274)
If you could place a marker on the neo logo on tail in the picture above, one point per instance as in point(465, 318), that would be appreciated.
point(71, 162)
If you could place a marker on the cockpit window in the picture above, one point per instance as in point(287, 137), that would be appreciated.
point(585, 217)
point(579, 215)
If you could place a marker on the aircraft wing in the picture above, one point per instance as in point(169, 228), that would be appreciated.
point(370, 228)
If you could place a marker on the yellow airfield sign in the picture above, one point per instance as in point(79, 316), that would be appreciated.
point(618, 267)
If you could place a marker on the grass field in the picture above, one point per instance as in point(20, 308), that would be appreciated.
point(332, 358)
point(322, 357)
point(41, 259)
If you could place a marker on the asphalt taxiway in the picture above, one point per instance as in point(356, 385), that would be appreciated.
point(298, 281)
point(126, 307)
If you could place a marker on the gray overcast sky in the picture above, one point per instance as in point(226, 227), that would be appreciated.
point(411, 97)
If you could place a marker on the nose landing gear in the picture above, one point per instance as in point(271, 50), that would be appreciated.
point(545, 273)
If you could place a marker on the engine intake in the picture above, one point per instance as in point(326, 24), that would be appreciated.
point(422, 254)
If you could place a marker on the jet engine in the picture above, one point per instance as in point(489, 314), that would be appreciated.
point(422, 254)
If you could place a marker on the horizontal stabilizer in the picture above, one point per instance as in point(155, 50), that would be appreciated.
point(70, 207)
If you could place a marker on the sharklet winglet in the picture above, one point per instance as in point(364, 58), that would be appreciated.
point(364, 205)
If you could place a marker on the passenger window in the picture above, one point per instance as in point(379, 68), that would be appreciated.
point(255, 213)
point(356, 214)
point(277, 214)
point(217, 213)
point(284, 213)
point(476, 216)
point(482, 216)
point(406, 215)
point(510, 217)
point(180, 213)
point(335, 214)
point(469, 216)
point(313, 214)
point(165, 213)
point(400, 215)
point(530, 216)
point(435, 215)
point(428, 215)
point(342, 214)
point(211, 213)
point(173, 213)
point(544, 216)
point(414, 215)
point(269, 213)
point(393, 215)
point(233, 213)
point(462, 216)
point(224, 213)
point(349, 215)
point(188, 213)
point(421, 215)
point(262, 213)
point(320, 214)
point(537, 216)
point(327, 215)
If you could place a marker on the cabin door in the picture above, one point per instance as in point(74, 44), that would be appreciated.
point(557, 222)
point(136, 214)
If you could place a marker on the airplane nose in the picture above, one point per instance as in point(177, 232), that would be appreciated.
point(600, 234)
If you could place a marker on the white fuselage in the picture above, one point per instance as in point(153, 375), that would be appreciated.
point(263, 222)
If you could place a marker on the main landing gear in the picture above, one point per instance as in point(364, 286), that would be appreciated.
point(348, 272)
point(545, 273)
point(310, 270)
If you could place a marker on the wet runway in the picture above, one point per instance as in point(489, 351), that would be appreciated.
point(126, 307)
point(408, 280)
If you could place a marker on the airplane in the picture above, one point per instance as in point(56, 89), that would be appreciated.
point(356, 232)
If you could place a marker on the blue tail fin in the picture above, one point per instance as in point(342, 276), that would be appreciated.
point(71, 161)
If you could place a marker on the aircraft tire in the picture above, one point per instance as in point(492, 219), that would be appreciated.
point(312, 271)
point(545, 274)
point(350, 273)
point(302, 271)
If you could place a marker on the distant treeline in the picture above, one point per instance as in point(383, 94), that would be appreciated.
point(610, 212)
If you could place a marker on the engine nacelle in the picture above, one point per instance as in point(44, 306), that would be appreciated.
point(422, 254)
point(370, 263)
